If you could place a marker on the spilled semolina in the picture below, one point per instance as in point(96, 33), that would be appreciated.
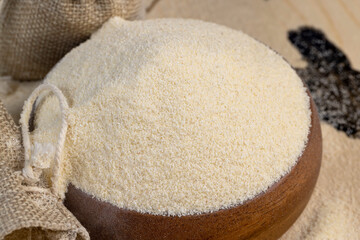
point(173, 117)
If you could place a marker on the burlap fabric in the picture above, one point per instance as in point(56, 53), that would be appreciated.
point(36, 34)
point(28, 211)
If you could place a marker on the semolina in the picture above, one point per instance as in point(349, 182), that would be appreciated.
point(173, 117)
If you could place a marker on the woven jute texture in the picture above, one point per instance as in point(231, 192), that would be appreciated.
point(28, 211)
point(36, 34)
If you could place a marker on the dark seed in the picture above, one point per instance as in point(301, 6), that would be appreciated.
point(334, 85)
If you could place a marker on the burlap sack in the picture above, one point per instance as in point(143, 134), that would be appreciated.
point(36, 34)
point(28, 211)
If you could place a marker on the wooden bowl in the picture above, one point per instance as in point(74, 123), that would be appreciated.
point(267, 216)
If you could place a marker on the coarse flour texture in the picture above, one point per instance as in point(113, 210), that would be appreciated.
point(173, 117)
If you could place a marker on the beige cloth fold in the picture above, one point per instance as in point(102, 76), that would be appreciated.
point(36, 34)
point(28, 211)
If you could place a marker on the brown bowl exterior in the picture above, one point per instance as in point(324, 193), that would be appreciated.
point(267, 216)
